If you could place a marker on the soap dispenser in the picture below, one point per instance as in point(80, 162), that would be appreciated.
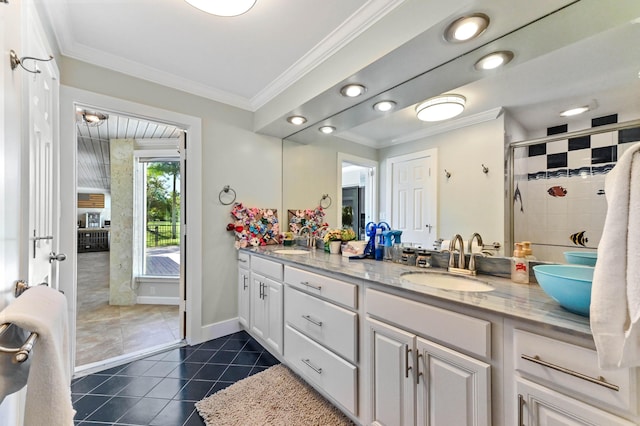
point(519, 266)
point(527, 252)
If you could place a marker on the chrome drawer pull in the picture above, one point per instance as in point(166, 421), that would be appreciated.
point(406, 362)
point(312, 321)
point(307, 284)
point(242, 260)
point(598, 381)
point(311, 366)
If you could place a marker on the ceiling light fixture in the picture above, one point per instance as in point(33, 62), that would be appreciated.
point(441, 107)
point(93, 118)
point(223, 7)
point(327, 129)
point(297, 120)
point(494, 60)
point(466, 28)
point(575, 111)
point(384, 106)
point(353, 90)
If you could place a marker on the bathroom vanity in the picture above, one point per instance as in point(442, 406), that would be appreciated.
point(387, 351)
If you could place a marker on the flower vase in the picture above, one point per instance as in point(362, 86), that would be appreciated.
point(334, 247)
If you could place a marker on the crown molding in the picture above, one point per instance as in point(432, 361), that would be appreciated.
point(370, 13)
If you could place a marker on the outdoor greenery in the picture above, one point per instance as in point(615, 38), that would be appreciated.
point(163, 203)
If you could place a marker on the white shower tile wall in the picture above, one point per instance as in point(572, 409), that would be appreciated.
point(561, 204)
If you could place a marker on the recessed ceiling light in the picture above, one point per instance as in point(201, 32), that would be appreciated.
point(574, 111)
point(466, 28)
point(494, 60)
point(223, 7)
point(384, 106)
point(441, 107)
point(327, 129)
point(353, 90)
point(297, 120)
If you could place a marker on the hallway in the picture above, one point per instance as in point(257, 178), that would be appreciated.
point(105, 331)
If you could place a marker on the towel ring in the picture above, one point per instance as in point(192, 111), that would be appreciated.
point(324, 197)
point(21, 354)
point(226, 189)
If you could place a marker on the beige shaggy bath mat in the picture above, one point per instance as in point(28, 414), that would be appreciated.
point(275, 396)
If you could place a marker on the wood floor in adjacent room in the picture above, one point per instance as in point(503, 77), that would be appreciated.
point(104, 331)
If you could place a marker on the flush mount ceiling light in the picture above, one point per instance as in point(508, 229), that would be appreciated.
point(575, 111)
point(297, 120)
point(223, 7)
point(441, 107)
point(93, 118)
point(327, 129)
point(494, 60)
point(384, 106)
point(353, 90)
point(466, 28)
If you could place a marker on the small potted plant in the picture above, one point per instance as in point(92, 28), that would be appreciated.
point(333, 237)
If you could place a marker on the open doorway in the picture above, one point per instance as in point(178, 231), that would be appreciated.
point(358, 192)
point(128, 262)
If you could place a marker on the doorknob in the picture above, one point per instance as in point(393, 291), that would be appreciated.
point(59, 257)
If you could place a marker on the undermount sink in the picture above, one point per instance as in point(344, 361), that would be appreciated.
point(291, 251)
point(446, 282)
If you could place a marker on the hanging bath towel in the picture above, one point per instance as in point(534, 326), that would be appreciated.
point(44, 310)
point(615, 294)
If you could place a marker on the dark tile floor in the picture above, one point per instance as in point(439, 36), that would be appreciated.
point(162, 389)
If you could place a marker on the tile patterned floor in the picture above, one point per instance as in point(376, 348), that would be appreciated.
point(162, 389)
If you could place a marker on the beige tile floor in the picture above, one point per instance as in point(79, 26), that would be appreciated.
point(104, 331)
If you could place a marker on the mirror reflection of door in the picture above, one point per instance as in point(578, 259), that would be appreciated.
point(357, 193)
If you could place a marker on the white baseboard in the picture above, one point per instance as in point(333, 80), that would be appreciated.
point(156, 300)
point(219, 329)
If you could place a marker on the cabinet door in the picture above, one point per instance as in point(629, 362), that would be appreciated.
point(258, 315)
point(453, 389)
point(392, 386)
point(274, 295)
point(542, 406)
point(244, 296)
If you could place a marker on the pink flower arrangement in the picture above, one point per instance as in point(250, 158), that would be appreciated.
point(254, 226)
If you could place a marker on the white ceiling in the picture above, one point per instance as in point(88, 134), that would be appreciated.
point(243, 61)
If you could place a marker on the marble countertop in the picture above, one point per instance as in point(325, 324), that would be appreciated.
point(520, 301)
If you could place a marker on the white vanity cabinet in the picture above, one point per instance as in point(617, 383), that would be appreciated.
point(560, 383)
point(321, 334)
point(244, 289)
point(266, 312)
point(413, 380)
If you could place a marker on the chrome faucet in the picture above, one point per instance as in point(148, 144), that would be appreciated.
point(472, 256)
point(460, 269)
point(452, 247)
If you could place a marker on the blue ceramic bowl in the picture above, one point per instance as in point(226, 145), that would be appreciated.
point(581, 257)
point(569, 285)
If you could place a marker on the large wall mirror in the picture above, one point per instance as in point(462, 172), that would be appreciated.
point(582, 54)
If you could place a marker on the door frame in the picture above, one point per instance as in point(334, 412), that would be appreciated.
point(433, 186)
point(69, 98)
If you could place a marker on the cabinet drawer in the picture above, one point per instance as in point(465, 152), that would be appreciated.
point(322, 368)
point(244, 260)
point(461, 331)
point(324, 322)
point(338, 291)
point(266, 267)
point(574, 369)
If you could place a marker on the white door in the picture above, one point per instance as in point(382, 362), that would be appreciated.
point(453, 389)
point(42, 98)
point(11, 238)
point(274, 295)
point(392, 387)
point(413, 197)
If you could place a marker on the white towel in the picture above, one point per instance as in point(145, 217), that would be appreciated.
point(44, 310)
point(615, 293)
point(13, 376)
